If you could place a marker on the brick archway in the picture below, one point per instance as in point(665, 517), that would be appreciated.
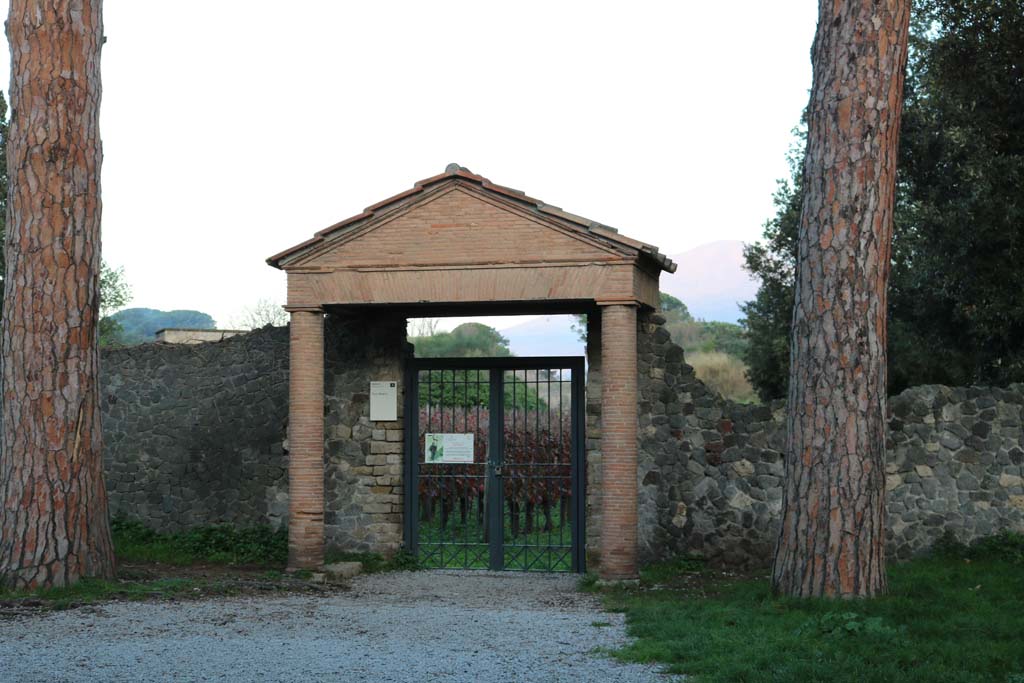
point(458, 243)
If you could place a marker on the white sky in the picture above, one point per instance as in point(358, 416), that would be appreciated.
point(233, 129)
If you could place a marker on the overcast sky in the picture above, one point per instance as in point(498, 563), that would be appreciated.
point(233, 129)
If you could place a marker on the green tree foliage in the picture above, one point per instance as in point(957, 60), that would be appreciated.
point(114, 294)
point(709, 336)
point(140, 325)
point(701, 336)
point(468, 340)
point(768, 316)
point(958, 310)
point(674, 309)
point(470, 387)
point(956, 301)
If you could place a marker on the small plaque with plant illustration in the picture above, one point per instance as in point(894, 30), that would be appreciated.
point(441, 448)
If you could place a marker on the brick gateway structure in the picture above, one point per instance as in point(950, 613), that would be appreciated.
point(457, 244)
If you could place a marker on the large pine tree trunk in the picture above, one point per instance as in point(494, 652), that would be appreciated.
point(54, 522)
point(831, 542)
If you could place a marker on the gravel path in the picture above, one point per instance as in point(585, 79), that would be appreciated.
point(420, 626)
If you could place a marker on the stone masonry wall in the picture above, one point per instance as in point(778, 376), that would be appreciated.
point(195, 434)
point(363, 493)
point(956, 463)
point(711, 470)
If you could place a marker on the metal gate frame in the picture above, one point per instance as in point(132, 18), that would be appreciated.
point(496, 435)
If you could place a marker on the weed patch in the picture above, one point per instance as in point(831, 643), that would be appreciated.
point(588, 583)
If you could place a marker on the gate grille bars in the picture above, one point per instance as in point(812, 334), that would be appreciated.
point(519, 505)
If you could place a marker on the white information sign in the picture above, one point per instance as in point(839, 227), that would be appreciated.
point(448, 448)
point(384, 401)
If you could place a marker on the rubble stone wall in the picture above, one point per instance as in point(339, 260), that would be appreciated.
point(196, 434)
point(711, 470)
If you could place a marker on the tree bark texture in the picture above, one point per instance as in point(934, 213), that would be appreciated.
point(832, 537)
point(54, 522)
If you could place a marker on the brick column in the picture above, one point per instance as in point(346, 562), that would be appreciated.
point(618, 443)
point(306, 440)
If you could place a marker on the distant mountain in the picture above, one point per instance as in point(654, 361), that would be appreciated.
point(711, 281)
point(140, 325)
point(549, 335)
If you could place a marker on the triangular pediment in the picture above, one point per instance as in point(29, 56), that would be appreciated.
point(459, 219)
point(456, 225)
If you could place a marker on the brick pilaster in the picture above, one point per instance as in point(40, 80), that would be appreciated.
point(306, 441)
point(618, 443)
point(593, 438)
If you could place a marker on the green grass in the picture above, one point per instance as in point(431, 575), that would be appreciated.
point(957, 616)
point(238, 552)
point(98, 590)
point(669, 572)
point(135, 543)
point(588, 583)
point(462, 546)
point(227, 545)
point(221, 544)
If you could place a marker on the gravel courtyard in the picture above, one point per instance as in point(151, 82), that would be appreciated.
point(417, 626)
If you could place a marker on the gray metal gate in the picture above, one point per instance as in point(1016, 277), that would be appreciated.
point(494, 463)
